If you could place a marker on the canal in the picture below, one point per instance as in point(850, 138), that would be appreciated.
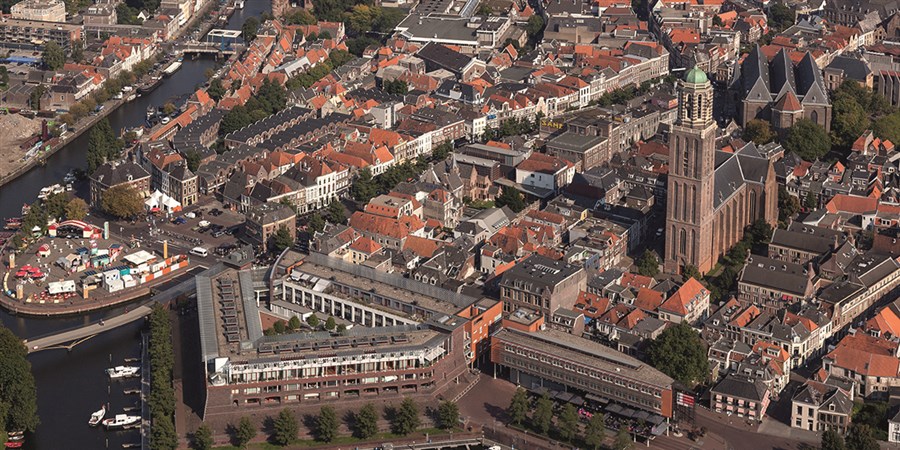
point(71, 385)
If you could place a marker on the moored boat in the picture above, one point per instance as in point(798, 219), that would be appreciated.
point(120, 421)
point(122, 371)
point(97, 416)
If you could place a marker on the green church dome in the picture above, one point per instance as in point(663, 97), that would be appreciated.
point(696, 76)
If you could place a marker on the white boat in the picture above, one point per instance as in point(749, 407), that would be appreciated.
point(97, 416)
point(45, 192)
point(172, 68)
point(239, 4)
point(70, 177)
point(122, 371)
point(120, 421)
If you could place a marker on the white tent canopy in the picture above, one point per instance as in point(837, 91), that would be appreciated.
point(60, 287)
point(162, 201)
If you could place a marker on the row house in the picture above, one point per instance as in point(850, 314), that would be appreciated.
point(872, 363)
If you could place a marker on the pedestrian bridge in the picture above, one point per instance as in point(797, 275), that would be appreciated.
point(68, 339)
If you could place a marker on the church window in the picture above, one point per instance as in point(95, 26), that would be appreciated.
point(694, 203)
point(682, 239)
point(685, 158)
point(674, 244)
point(814, 116)
point(753, 204)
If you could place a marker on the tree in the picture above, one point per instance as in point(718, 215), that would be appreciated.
point(244, 432)
point(55, 205)
point(595, 433)
point(780, 16)
point(832, 440)
point(313, 320)
point(888, 127)
point(518, 407)
point(441, 152)
point(542, 417)
point(279, 326)
point(285, 428)
point(192, 157)
point(717, 21)
point(366, 423)
point(623, 440)
point(810, 201)
point(341, 329)
point(691, 271)
point(406, 420)
point(203, 438)
point(362, 17)
point(808, 140)
point(788, 205)
point(122, 201)
point(448, 415)
point(249, 29)
point(758, 131)
point(299, 16)
point(76, 209)
point(18, 399)
point(680, 353)
point(364, 188)
point(534, 27)
point(282, 239)
point(512, 198)
point(169, 108)
point(316, 223)
point(294, 323)
point(485, 10)
point(77, 51)
point(330, 324)
point(327, 424)
point(648, 264)
point(336, 212)
point(849, 120)
point(54, 57)
point(568, 422)
point(397, 87)
point(234, 120)
point(34, 100)
point(860, 438)
point(163, 435)
point(215, 90)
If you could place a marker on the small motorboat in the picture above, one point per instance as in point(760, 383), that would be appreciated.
point(122, 371)
point(97, 416)
point(14, 444)
point(120, 421)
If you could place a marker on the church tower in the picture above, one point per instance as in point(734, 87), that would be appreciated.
point(689, 208)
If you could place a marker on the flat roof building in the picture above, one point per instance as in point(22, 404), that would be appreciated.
point(560, 361)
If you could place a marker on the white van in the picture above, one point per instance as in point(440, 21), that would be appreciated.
point(200, 251)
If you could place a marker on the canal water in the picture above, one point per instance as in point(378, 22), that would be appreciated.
point(72, 385)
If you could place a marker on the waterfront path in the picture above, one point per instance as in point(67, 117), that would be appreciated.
point(77, 335)
point(82, 333)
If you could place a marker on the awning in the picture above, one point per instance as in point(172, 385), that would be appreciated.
point(615, 408)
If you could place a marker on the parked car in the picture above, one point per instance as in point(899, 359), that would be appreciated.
point(180, 221)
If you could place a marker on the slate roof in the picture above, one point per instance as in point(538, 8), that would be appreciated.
point(738, 386)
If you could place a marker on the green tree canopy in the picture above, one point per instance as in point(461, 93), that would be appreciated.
point(122, 201)
point(542, 418)
point(215, 90)
point(595, 432)
point(203, 438)
point(234, 120)
point(648, 264)
point(832, 440)
point(282, 239)
point(54, 57)
point(512, 198)
point(294, 323)
point(76, 209)
point(327, 424)
point(244, 432)
point(808, 140)
point(330, 323)
point(518, 407)
point(406, 419)
point(249, 28)
point(860, 437)
point(758, 131)
point(810, 201)
point(888, 127)
point(18, 400)
point(788, 205)
point(568, 422)
point(336, 212)
point(680, 353)
point(285, 428)
point(849, 120)
point(366, 423)
point(313, 320)
point(780, 16)
point(448, 414)
point(364, 188)
point(316, 223)
point(623, 440)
